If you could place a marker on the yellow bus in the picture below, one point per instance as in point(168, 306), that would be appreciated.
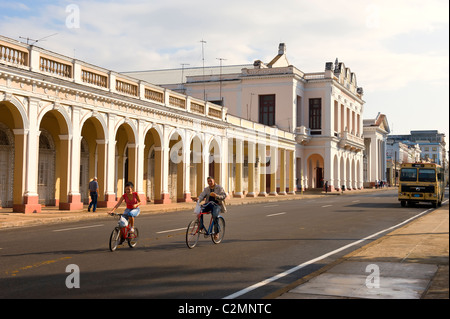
point(421, 182)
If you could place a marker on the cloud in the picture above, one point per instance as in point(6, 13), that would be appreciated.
point(14, 6)
point(390, 45)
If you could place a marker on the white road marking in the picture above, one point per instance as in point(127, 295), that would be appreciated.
point(276, 214)
point(170, 230)
point(271, 205)
point(74, 228)
point(289, 271)
point(327, 205)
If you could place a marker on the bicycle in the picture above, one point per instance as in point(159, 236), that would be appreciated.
point(121, 233)
point(196, 227)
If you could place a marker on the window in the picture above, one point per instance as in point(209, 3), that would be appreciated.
point(315, 114)
point(299, 111)
point(408, 175)
point(427, 175)
point(267, 109)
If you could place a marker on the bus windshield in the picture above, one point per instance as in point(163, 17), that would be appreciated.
point(408, 175)
point(427, 175)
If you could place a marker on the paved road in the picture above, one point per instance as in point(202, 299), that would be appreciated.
point(261, 241)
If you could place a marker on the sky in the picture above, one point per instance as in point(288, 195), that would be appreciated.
point(399, 50)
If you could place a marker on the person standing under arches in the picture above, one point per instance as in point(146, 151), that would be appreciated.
point(93, 192)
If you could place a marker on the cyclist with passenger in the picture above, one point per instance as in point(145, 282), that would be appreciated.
point(133, 201)
point(214, 196)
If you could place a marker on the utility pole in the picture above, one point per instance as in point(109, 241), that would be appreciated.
point(203, 60)
point(220, 80)
point(395, 168)
point(182, 74)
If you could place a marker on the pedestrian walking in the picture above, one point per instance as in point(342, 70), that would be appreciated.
point(326, 187)
point(93, 192)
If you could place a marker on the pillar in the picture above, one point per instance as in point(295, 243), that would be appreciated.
point(282, 172)
point(238, 190)
point(30, 203)
point(251, 169)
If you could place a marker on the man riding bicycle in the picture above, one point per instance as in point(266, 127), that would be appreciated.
point(214, 196)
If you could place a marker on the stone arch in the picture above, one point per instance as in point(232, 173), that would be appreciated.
point(64, 120)
point(94, 135)
point(153, 137)
point(14, 120)
point(316, 170)
point(55, 122)
point(46, 181)
point(6, 166)
point(126, 154)
point(213, 145)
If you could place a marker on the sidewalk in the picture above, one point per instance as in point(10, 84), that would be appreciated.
point(412, 263)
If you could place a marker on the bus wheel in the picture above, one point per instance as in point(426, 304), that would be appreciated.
point(403, 203)
point(434, 204)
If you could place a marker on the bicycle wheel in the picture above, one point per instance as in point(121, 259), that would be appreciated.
point(133, 238)
point(221, 231)
point(114, 239)
point(192, 233)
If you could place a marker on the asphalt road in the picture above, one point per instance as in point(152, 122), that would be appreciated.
point(261, 241)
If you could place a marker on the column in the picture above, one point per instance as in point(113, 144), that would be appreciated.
point(110, 164)
point(291, 173)
point(73, 201)
point(328, 163)
point(139, 185)
point(251, 169)
point(238, 190)
point(30, 196)
point(186, 174)
point(273, 171)
point(261, 150)
point(163, 176)
point(282, 172)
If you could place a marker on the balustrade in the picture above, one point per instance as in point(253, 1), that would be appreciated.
point(154, 95)
point(215, 113)
point(55, 67)
point(127, 88)
point(177, 102)
point(94, 78)
point(12, 55)
point(197, 108)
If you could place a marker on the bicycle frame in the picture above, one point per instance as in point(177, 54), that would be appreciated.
point(210, 230)
point(197, 227)
point(125, 232)
point(121, 234)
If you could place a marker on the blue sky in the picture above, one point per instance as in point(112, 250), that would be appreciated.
point(398, 49)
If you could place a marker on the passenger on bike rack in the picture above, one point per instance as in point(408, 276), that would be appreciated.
point(133, 201)
point(215, 201)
